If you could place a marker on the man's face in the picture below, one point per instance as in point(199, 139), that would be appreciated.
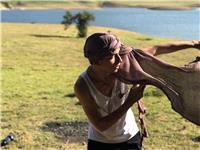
point(111, 63)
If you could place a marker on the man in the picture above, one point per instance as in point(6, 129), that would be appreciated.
point(107, 101)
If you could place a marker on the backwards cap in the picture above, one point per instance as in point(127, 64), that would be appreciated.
point(100, 45)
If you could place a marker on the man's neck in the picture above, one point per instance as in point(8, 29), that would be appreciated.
point(98, 75)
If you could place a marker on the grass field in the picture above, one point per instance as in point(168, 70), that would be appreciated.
point(40, 64)
point(88, 4)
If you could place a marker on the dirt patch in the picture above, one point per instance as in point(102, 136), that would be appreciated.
point(68, 131)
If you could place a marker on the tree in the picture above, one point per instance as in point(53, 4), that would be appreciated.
point(82, 23)
point(68, 19)
point(82, 20)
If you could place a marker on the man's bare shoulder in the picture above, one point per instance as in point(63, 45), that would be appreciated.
point(80, 85)
point(83, 94)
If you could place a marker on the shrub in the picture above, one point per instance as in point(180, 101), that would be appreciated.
point(82, 20)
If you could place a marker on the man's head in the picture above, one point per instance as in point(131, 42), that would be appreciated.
point(100, 45)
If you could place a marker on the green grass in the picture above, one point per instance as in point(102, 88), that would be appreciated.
point(40, 64)
point(66, 4)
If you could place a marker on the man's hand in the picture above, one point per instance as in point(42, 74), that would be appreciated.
point(136, 93)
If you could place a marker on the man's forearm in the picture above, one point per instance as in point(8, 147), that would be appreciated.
point(172, 47)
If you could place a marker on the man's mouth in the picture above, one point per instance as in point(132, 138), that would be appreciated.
point(117, 67)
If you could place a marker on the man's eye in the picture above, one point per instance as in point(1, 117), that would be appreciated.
point(110, 57)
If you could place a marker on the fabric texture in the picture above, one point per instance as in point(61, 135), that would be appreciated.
point(180, 84)
point(125, 128)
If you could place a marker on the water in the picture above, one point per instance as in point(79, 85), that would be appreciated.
point(184, 24)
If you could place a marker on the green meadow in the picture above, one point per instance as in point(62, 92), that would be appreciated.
point(40, 64)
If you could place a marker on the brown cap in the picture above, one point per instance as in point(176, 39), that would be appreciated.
point(100, 45)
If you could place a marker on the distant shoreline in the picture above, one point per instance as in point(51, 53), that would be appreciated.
point(39, 8)
point(86, 8)
point(35, 6)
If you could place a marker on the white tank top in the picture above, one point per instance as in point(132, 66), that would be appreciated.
point(125, 128)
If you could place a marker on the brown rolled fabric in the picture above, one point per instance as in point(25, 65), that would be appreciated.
point(180, 84)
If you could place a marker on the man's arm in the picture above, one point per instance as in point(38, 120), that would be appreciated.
point(172, 47)
point(92, 110)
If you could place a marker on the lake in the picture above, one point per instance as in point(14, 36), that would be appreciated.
point(181, 24)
